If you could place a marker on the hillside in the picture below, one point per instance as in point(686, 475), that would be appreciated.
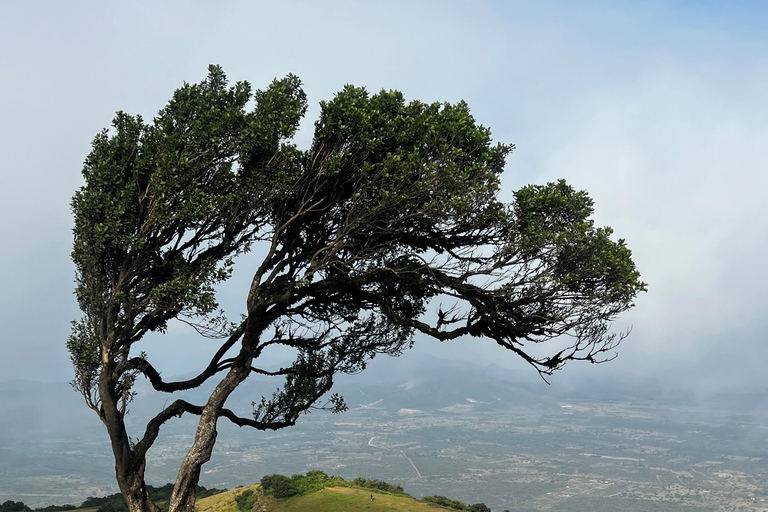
point(331, 499)
point(318, 492)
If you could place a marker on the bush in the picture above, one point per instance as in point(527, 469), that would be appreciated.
point(479, 507)
point(245, 501)
point(113, 506)
point(378, 485)
point(14, 506)
point(279, 486)
point(446, 502)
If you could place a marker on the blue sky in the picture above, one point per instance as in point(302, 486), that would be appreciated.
point(659, 109)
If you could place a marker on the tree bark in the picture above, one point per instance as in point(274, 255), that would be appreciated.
point(184, 493)
point(129, 468)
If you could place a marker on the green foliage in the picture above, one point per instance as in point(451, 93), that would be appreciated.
point(314, 481)
point(554, 225)
point(379, 485)
point(113, 506)
point(279, 486)
point(165, 206)
point(245, 500)
point(116, 502)
point(14, 506)
point(111, 502)
point(446, 502)
point(455, 505)
point(392, 211)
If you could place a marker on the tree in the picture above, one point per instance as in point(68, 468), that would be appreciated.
point(14, 506)
point(388, 225)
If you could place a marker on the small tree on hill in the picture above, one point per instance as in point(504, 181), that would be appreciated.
point(387, 226)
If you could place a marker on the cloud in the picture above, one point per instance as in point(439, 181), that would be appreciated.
point(658, 111)
point(677, 167)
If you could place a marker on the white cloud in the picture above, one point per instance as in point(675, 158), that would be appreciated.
point(658, 112)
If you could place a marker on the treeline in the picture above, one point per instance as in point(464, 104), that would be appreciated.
point(111, 503)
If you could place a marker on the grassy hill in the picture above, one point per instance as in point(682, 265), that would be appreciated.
point(318, 492)
point(330, 499)
point(225, 501)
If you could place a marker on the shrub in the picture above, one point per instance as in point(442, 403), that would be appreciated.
point(14, 506)
point(378, 485)
point(446, 502)
point(279, 486)
point(113, 506)
point(245, 501)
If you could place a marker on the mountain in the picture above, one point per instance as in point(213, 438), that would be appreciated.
point(412, 382)
point(421, 382)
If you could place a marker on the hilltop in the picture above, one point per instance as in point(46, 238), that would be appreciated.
point(330, 499)
point(318, 492)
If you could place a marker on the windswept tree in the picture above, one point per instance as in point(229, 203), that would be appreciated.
point(388, 227)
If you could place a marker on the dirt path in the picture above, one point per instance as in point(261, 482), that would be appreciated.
point(370, 443)
point(412, 464)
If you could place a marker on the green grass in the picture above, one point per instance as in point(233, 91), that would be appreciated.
point(223, 502)
point(331, 499)
point(343, 499)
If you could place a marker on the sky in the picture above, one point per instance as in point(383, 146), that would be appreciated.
point(658, 109)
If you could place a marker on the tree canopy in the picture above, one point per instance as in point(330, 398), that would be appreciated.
point(389, 226)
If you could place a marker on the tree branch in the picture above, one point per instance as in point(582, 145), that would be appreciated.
point(149, 371)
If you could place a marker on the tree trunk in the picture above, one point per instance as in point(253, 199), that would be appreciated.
point(136, 496)
point(129, 469)
point(184, 493)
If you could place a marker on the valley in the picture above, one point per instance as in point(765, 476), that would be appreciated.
point(470, 439)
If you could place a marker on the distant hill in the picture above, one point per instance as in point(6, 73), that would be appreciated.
point(414, 382)
point(418, 382)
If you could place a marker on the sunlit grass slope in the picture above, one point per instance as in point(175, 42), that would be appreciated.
point(223, 502)
point(343, 499)
point(331, 499)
